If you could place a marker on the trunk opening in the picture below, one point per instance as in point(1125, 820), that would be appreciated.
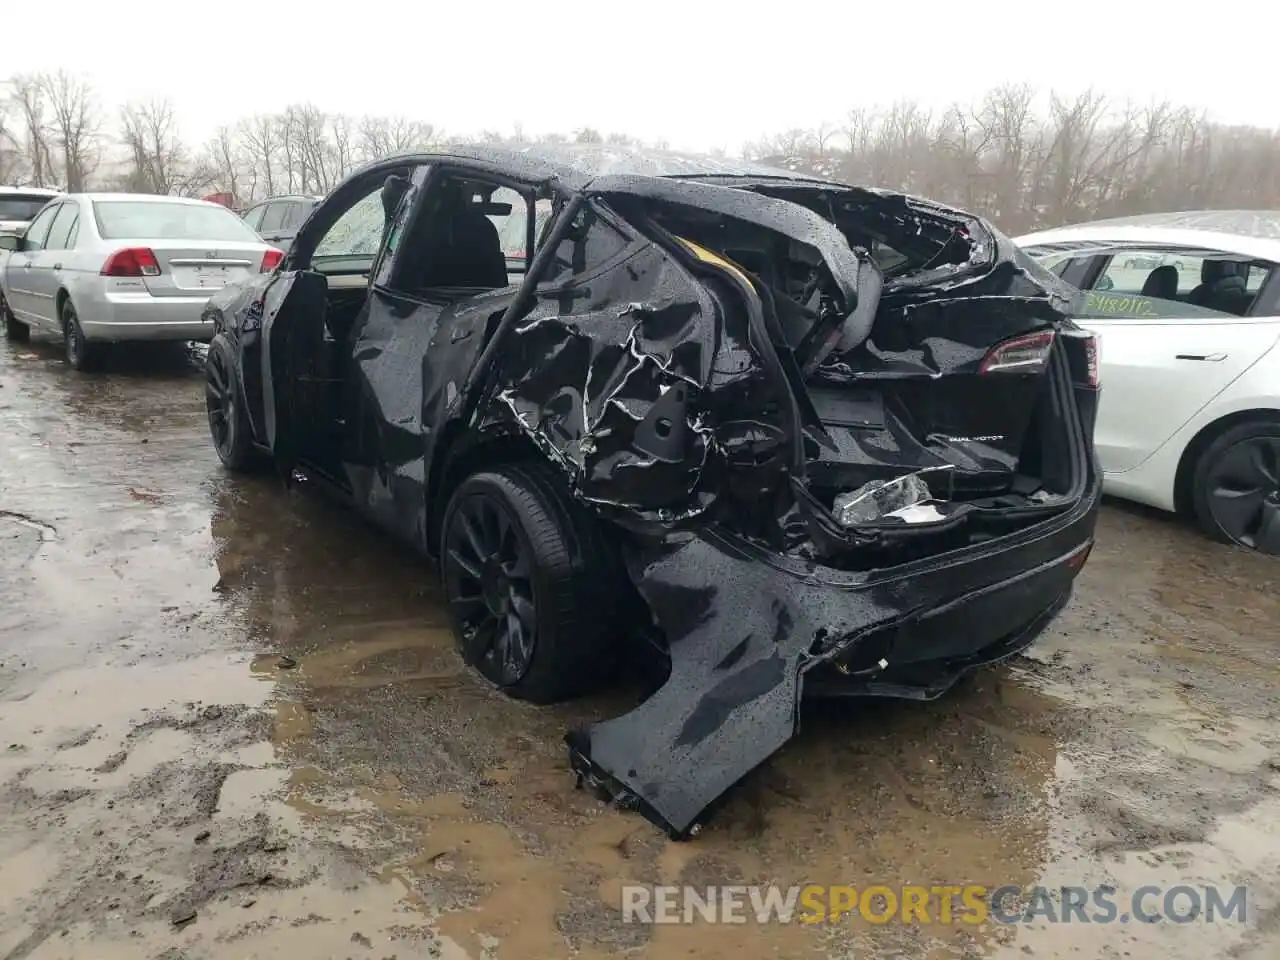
point(961, 381)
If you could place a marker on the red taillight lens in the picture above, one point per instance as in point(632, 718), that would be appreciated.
point(1093, 361)
point(132, 262)
point(1077, 558)
point(270, 260)
point(1025, 354)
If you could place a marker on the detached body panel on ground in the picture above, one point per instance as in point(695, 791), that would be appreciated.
point(679, 423)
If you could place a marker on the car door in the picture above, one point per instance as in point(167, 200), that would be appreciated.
point(408, 328)
point(48, 265)
point(25, 299)
point(286, 341)
point(1163, 359)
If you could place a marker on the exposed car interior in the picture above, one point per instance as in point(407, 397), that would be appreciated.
point(451, 251)
point(454, 243)
point(1223, 284)
point(1192, 283)
point(1222, 287)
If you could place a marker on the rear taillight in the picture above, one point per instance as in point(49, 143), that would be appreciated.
point(1025, 354)
point(1093, 361)
point(1079, 556)
point(132, 262)
point(270, 260)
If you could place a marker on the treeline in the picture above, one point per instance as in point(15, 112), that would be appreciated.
point(1022, 159)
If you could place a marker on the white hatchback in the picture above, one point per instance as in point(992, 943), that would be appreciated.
point(1186, 307)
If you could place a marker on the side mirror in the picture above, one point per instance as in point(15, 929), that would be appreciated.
point(1104, 283)
point(10, 241)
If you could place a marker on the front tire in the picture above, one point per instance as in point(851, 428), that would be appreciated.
point(14, 329)
point(530, 583)
point(228, 421)
point(1236, 487)
point(80, 353)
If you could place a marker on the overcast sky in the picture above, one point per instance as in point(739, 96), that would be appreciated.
point(654, 69)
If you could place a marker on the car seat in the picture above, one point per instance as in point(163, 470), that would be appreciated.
point(464, 249)
point(1222, 287)
point(1162, 282)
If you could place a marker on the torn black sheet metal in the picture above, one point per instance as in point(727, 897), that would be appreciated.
point(635, 381)
point(602, 376)
point(650, 389)
point(746, 633)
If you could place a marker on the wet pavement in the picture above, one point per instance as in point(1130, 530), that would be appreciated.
point(233, 724)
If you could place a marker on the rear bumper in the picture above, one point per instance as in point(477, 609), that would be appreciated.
point(748, 630)
point(140, 316)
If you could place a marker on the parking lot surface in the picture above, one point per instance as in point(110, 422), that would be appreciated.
point(233, 724)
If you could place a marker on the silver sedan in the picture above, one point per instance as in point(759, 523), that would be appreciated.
point(101, 267)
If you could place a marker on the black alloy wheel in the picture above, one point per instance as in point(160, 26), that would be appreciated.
point(532, 585)
point(228, 422)
point(219, 402)
point(1238, 487)
point(488, 570)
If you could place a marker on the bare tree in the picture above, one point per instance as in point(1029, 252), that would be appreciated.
point(342, 135)
point(1023, 159)
point(160, 163)
point(75, 125)
point(29, 95)
point(12, 161)
point(261, 138)
point(223, 155)
point(388, 136)
point(303, 129)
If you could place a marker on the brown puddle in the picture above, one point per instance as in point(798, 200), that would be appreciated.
point(466, 797)
point(255, 739)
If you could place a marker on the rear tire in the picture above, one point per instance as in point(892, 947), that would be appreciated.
point(14, 329)
point(224, 405)
point(1236, 487)
point(531, 584)
point(80, 353)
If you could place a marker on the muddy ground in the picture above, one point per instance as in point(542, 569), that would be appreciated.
point(233, 725)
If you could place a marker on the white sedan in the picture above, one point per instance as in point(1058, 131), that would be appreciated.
point(101, 267)
point(1186, 307)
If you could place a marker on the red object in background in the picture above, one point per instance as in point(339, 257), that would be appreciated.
point(226, 199)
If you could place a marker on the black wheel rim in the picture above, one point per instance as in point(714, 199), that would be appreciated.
point(219, 400)
point(489, 585)
point(1244, 494)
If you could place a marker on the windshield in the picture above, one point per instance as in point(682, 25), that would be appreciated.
point(158, 220)
point(357, 233)
point(21, 207)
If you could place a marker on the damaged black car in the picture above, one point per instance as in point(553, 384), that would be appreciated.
point(782, 435)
